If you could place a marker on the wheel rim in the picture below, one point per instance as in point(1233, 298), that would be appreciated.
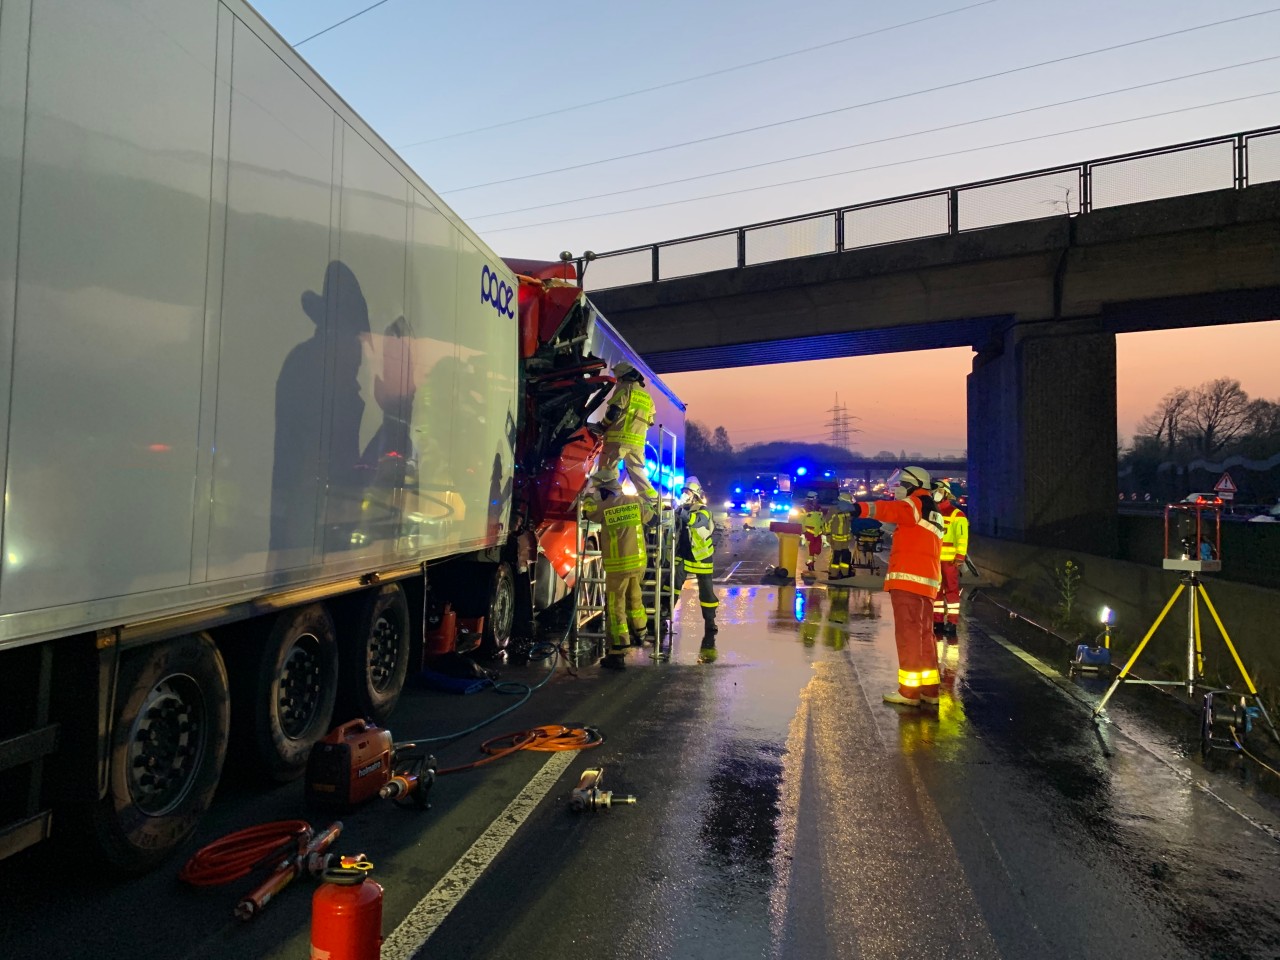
point(384, 651)
point(298, 700)
point(503, 610)
point(167, 744)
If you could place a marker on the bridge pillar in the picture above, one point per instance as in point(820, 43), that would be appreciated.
point(1042, 436)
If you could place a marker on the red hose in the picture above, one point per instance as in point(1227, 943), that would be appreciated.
point(236, 854)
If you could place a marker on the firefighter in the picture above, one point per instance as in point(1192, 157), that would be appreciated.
point(839, 531)
point(955, 545)
point(812, 522)
point(695, 555)
point(625, 424)
point(912, 580)
point(622, 546)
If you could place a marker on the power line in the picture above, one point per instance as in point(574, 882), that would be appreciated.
point(882, 166)
point(700, 76)
point(335, 26)
point(866, 103)
point(878, 141)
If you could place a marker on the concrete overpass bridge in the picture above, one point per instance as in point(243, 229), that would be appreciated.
point(1036, 272)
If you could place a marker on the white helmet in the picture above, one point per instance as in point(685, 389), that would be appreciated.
point(906, 481)
point(622, 370)
point(693, 489)
point(942, 491)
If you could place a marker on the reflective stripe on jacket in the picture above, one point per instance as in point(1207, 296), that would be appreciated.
point(955, 543)
point(813, 523)
point(622, 537)
point(636, 414)
point(839, 527)
point(695, 546)
point(917, 542)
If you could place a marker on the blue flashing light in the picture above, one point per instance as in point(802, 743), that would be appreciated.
point(737, 489)
point(800, 601)
point(826, 473)
point(801, 471)
point(651, 466)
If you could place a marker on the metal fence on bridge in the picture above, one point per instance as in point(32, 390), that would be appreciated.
point(1219, 163)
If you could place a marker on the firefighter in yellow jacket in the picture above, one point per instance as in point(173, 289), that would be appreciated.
point(839, 531)
point(955, 546)
point(622, 519)
point(695, 554)
point(626, 424)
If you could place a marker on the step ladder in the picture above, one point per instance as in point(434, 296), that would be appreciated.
point(589, 629)
point(659, 587)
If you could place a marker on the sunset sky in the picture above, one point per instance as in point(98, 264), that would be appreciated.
point(792, 400)
point(610, 125)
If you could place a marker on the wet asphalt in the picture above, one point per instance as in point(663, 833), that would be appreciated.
point(783, 811)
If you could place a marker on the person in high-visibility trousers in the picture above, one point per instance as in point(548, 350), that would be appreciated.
point(695, 555)
point(839, 531)
point(622, 519)
point(955, 545)
point(812, 521)
point(626, 423)
point(912, 580)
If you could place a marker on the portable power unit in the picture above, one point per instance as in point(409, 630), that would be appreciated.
point(350, 765)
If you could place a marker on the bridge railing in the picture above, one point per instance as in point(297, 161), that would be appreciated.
point(1217, 163)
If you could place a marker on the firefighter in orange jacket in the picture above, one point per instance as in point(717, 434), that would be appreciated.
point(955, 545)
point(913, 579)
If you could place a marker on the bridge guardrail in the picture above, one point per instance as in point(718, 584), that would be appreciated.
point(1215, 163)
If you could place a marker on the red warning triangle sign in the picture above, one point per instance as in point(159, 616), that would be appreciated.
point(1225, 484)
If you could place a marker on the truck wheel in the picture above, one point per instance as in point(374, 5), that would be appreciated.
point(500, 611)
point(168, 741)
point(375, 658)
point(291, 706)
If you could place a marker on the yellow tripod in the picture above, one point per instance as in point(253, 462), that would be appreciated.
point(1196, 591)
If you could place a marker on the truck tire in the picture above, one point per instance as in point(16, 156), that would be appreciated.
point(295, 686)
point(374, 658)
point(500, 611)
point(168, 741)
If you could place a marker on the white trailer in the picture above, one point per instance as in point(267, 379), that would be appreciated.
point(254, 375)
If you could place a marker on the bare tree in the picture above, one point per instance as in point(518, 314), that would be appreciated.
point(1218, 415)
point(1165, 423)
point(1264, 418)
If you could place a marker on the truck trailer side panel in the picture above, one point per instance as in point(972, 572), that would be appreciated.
point(251, 350)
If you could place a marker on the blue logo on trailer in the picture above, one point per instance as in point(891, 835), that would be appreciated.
point(496, 291)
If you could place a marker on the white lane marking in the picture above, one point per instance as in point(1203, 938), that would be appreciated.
point(431, 910)
point(1182, 771)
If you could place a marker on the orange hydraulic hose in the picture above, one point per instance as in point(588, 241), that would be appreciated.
point(545, 738)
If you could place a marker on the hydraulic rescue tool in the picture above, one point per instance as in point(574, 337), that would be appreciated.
point(288, 848)
point(359, 761)
point(414, 775)
point(587, 795)
point(349, 765)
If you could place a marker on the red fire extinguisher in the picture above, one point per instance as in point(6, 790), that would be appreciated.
point(346, 914)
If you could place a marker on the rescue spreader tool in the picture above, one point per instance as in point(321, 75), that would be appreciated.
point(587, 795)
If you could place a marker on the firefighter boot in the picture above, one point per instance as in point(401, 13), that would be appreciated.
point(614, 661)
point(707, 652)
point(950, 630)
point(939, 628)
